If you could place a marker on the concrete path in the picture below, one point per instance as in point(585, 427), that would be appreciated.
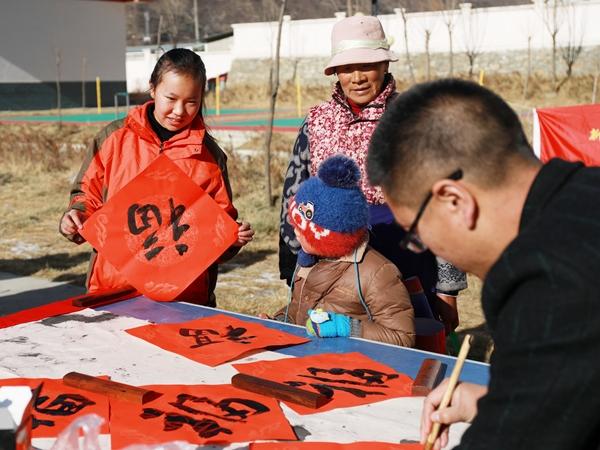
point(18, 292)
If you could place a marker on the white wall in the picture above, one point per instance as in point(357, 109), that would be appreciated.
point(140, 64)
point(487, 29)
point(31, 30)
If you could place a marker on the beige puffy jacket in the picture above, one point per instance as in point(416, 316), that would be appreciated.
point(331, 285)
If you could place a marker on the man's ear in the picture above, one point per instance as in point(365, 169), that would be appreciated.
point(458, 201)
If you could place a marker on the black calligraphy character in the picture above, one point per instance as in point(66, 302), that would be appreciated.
point(249, 407)
point(178, 230)
point(62, 405)
point(143, 212)
point(205, 428)
point(328, 390)
point(362, 377)
point(237, 335)
point(201, 336)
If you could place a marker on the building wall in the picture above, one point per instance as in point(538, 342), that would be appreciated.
point(499, 36)
point(31, 32)
point(486, 29)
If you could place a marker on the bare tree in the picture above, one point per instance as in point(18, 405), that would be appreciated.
point(83, 77)
point(552, 17)
point(472, 33)
point(528, 33)
point(176, 17)
point(57, 53)
point(449, 14)
point(402, 12)
point(595, 86)
point(349, 8)
point(274, 87)
point(571, 51)
point(428, 25)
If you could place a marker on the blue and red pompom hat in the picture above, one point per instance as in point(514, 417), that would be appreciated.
point(330, 211)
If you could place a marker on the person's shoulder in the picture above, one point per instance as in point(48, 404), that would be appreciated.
point(374, 262)
point(321, 107)
point(116, 126)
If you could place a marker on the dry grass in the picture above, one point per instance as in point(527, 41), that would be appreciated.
point(38, 162)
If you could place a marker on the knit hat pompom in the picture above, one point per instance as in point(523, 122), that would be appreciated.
point(339, 171)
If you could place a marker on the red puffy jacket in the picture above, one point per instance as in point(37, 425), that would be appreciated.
point(122, 150)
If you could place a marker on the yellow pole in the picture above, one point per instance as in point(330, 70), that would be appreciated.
point(298, 95)
point(218, 95)
point(481, 73)
point(98, 95)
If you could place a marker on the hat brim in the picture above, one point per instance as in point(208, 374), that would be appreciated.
point(359, 56)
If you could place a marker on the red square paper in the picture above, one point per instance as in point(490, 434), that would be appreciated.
point(216, 339)
point(198, 414)
point(58, 405)
point(161, 231)
point(349, 379)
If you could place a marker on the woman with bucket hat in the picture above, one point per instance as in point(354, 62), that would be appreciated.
point(344, 124)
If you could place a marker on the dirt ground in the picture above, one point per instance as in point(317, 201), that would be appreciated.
point(39, 162)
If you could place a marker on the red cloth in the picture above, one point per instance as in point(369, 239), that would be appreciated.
point(571, 133)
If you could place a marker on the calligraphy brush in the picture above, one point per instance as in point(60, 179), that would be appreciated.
point(460, 360)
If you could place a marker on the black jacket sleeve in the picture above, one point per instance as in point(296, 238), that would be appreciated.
point(297, 172)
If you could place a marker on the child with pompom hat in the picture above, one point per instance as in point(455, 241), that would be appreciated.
point(343, 287)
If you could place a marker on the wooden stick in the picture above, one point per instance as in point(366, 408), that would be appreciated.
point(460, 360)
point(104, 297)
point(279, 391)
point(429, 376)
point(118, 391)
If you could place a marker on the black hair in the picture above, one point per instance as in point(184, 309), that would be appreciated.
point(435, 128)
point(183, 62)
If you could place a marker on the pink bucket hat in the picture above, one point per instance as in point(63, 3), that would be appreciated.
point(356, 40)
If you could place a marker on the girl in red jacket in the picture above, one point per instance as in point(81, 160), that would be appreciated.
point(171, 124)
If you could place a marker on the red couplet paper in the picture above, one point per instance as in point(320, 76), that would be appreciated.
point(349, 379)
point(198, 414)
point(161, 231)
point(214, 340)
point(332, 446)
point(571, 133)
point(58, 405)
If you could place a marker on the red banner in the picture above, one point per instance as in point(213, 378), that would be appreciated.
point(571, 133)
point(349, 379)
point(198, 414)
point(216, 339)
point(161, 231)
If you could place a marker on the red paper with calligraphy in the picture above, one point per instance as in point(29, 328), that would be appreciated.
point(349, 379)
point(198, 414)
point(216, 339)
point(162, 231)
point(571, 133)
point(332, 446)
point(58, 405)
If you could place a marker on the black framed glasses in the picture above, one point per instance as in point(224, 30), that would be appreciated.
point(411, 240)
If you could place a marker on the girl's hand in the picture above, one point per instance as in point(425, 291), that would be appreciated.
point(71, 223)
point(245, 234)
